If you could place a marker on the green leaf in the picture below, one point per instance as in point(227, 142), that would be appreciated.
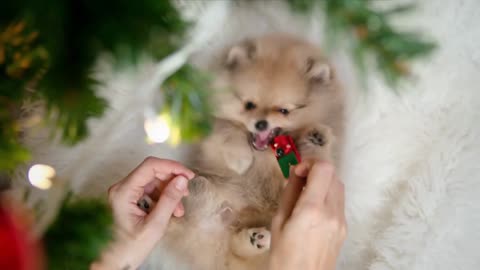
point(186, 100)
point(71, 105)
point(301, 5)
point(375, 36)
point(71, 36)
point(80, 231)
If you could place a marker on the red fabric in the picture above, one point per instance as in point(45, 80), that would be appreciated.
point(18, 250)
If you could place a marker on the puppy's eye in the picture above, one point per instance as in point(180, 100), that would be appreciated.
point(284, 111)
point(250, 106)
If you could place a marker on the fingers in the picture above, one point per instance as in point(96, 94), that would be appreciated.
point(287, 202)
point(303, 168)
point(179, 210)
point(290, 195)
point(154, 188)
point(318, 184)
point(335, 198)
point(167, 204)
point(335, 205)
point(152, 168)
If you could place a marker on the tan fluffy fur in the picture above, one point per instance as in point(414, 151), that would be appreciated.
point(237, 188)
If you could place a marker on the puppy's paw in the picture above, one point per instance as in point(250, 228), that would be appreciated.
point(250, 242)
point(259, 238)
point(238, 159)
point(316, 143)
point(319, 136)
point(316, 137)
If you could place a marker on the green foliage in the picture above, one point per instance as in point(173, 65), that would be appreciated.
point(21, 59)
point(187, 103)
point(47, 51)
point(76, 32)
point(373, 35)
point(301, 5)
point(79, 233)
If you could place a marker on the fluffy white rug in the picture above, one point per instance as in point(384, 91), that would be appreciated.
point(410, 168)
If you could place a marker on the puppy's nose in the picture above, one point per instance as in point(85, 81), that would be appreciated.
point(261, 125)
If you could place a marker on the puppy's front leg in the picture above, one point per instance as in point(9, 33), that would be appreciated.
point(227, 146)
point(316, 143)
point(237, 153)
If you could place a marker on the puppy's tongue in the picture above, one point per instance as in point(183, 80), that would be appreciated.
point(262, 139)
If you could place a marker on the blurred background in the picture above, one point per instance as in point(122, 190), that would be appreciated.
point(88, 89)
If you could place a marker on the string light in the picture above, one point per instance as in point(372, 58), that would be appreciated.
point(40, 176)
point(157, 128)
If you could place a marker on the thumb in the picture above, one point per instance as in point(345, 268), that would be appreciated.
point(167, 202)
point(289, 198)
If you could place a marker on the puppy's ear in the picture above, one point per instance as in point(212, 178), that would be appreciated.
point(240, 54)
point(318, 71)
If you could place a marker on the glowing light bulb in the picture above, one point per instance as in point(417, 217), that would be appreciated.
point(40, 176)
point(157, 129)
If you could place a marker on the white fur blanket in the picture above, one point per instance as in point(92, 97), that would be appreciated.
point(410, 170)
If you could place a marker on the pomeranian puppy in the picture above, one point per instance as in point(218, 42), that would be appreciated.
point(271, 85)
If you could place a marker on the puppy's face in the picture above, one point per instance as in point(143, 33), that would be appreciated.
point(273, 84)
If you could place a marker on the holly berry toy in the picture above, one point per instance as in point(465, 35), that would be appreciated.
point(286, 153)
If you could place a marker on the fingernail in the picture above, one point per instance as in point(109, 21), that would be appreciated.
point(181, 183)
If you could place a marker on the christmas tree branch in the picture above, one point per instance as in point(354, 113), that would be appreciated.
point(372, 35)
point(49, 48)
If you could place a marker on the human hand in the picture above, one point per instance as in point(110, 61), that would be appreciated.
point(154, 177)
point(163, 180)
point(309, 227)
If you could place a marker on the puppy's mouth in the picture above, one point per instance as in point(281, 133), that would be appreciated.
point(261, 140)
